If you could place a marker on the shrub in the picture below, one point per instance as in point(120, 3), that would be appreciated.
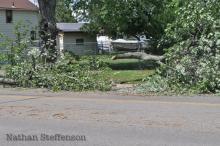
point(29, 69)
point(194, 67)
point(59, 76)
point(193, 61)
point(153, 84)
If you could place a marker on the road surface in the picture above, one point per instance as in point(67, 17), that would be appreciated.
point(107, 119)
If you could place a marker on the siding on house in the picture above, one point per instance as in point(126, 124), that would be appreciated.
point(89, 46)
point(70, 37)
point(74, 39)
point(27, 17)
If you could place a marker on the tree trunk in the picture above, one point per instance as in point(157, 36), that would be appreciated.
point(48, 30)
point(139, 55)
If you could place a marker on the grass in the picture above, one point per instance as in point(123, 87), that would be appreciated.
point(122, 70)
point(123, 64)
point(128, 70)
point(128, 76)
point(125, 70)
point(130, 64)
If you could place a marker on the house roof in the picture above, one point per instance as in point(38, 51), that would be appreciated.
point(18, 5)
point(70, 27)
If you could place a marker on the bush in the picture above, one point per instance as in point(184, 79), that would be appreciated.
point(153, 84)
point(3, 58)
point(193, 61)
point(61, 76)
point(194, 67)
point(29, 69)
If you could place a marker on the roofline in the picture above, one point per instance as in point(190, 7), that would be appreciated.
point(17, 9)
point(71, 30)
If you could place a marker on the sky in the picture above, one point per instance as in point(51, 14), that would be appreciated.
point(33, 1)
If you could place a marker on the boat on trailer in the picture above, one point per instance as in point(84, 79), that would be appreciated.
point(129, 45)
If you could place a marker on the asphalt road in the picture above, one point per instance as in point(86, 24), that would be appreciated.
point(107, 119)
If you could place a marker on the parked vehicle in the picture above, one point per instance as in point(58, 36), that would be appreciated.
point(130, 45)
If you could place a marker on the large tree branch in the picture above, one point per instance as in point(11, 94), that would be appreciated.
point(7, 81)
point(141, 56)
point(138, 55)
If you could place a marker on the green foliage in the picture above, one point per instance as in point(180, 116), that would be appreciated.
point(28, 68)
point(15, 50)
point(130, 64)
point(119, 64)
point(3, 58)
point(64, 12)
point(61, 76)
point(128, 76)
point(194, 66)
point(153, 84)
point(96, 63)
point(193, 19)
point(124, 17)
point(193, 60)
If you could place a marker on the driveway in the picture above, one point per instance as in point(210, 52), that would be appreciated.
point(107, 119)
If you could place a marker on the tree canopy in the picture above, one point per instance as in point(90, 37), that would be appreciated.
point(124, 17)
point(192, 60)
point(187, 29)
point(64, 11)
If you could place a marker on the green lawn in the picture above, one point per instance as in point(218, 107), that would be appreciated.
point(125, 70)
point(122, 70)
point(123, 64)
point(130, 64)
point(129, 70)
point(128, 76)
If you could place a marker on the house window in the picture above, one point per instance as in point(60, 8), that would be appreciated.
point(79, 41)
point(9, 16)
point(33, 35)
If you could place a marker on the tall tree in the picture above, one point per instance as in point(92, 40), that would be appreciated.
point(48, 30)
point(129, 17)
point(64, 11)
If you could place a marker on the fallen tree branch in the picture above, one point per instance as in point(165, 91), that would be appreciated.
point(7, 81)
point(139, 55)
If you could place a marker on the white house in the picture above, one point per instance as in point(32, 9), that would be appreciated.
point(14, 11)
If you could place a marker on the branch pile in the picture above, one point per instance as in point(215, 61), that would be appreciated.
point(7, 81)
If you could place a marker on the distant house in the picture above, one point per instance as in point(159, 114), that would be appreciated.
point(15, 11)
point(72, 38)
